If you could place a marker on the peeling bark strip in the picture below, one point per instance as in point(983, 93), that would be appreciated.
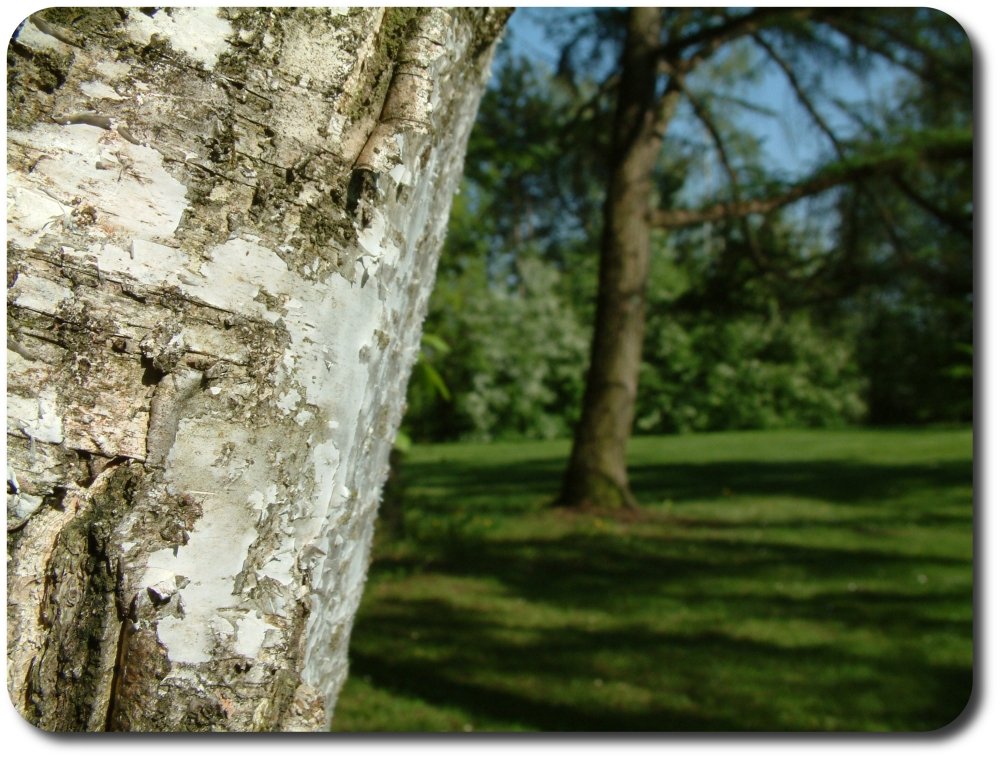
point(405, 109)
point(207, 350)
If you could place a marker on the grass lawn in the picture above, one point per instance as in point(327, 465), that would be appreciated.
point(771, 581)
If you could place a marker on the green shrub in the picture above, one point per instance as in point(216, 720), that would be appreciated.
point(746, 373)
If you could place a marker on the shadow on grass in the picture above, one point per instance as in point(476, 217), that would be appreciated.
point(687, 623)
point(843, 482)
point(602, 572)
point(871, 672)
point(568, 679)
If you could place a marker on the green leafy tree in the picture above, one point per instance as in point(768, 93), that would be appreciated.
point(795, 288)
point(677, 59)
point(517, 276)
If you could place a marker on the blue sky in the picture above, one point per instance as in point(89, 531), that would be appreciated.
point(792, 143)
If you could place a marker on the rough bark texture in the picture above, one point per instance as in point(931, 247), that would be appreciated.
point(596, 474)
point(223, 229)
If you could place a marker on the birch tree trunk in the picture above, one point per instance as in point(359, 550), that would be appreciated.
point(223, 229)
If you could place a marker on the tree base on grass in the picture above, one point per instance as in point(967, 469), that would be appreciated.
point(595, 490)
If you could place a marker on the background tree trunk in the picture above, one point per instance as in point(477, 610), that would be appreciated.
point(223, 229)
point(596, 474)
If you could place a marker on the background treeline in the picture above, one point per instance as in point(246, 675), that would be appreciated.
point(853, 306)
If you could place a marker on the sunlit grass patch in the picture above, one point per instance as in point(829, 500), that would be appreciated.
point(770, 581)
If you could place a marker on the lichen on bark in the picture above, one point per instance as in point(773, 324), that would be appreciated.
point(68, 682)
point(207, 352)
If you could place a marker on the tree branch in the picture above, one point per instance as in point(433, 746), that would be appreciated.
point(666, 106)
point(711, 39)
point(957, 222)
point(705, 118)
point(805, 101)
point(799, 91)
point(864, 35)
point(940, 146)
point(678, 218)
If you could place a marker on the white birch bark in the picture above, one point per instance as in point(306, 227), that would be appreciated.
point(223, 227)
